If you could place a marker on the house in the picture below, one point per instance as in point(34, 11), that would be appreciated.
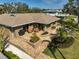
point(17, 22)
point(30, 32)
point(53, 11)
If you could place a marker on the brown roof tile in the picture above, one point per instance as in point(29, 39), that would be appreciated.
point(21, 19)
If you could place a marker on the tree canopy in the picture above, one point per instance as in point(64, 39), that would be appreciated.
point(1, 43)
point(70, 7)
point(18, 8)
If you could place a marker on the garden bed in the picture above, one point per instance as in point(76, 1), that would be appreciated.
point(34, 38)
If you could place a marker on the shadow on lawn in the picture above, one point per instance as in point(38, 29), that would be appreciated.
point(55, 44)
point(62, 43)
point(53, 52)
point(54, 49)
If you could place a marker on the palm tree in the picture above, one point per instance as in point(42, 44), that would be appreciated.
point(70, 2)
point(77, 7)
point(77, 1)
point(70, 7)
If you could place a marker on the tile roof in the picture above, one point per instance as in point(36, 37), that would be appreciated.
point(21, 19)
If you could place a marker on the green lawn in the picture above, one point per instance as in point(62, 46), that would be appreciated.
point(48, 52)
point(71, 52)
point(10, 55)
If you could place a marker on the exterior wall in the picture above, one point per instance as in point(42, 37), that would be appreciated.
point(15, 31)
point(16, 34)
point(8, 32)
point(5, 32)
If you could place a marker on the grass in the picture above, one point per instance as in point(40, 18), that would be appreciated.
point(48, 52)
point(71, 52)
point(10, 55)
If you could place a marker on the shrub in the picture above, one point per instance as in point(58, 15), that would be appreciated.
point(70, 20)
point(34, 38)
point(1, 43)
point(10, 55)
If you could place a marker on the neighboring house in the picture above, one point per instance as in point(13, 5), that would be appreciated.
point(53, 11)
point(2, 56)
point(58, 14)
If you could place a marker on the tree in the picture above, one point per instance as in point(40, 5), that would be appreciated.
point(66, 32)
point(7, 7)
point(1, 43)
point(77, 1)
point(36, 10)
point(72, 7)
point(15, 7)
point(69, 7)
point(21, 7)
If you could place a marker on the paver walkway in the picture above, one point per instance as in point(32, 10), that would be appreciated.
point(36, 50)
